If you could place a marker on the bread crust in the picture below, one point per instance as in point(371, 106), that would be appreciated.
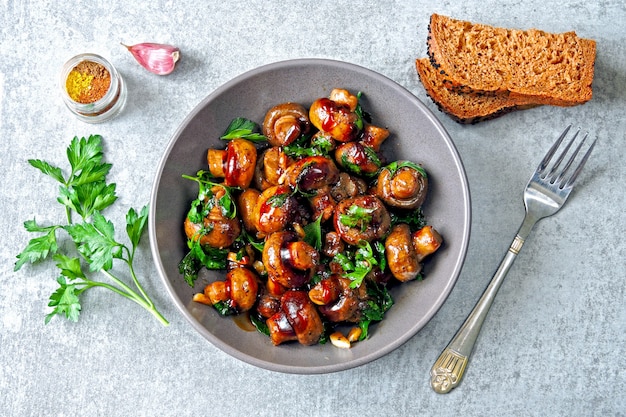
point(531, 66)
point(465, 107)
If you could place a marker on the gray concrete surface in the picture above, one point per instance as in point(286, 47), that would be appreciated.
point(554, 343)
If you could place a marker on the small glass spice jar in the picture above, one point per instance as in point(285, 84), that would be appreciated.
point(92, 88)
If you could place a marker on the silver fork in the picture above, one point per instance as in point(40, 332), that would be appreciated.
point(546, 192)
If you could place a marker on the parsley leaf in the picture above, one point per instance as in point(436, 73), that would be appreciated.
point(70, 267)
point(95, 241)
point(207, 198)
point(83, 152)
point(313, 233)
point(198, 257)
point(359, 112)
point(379, 302)
point(65, 301)
point(38, 248)
point(243, 128)
point(48, 169)
point(84, 190)
point(136, 224)
point(414, 218)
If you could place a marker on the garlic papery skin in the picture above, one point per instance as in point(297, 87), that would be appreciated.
point(157, 58)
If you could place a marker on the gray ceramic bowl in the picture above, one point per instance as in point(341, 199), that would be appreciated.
point(416, 135)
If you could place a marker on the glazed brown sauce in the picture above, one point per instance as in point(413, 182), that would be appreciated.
point(328, 107)
point(328, 290)
point(358, 155)
point(244, 322)
point(232, 168)
point(267, 210)
point(313, 175)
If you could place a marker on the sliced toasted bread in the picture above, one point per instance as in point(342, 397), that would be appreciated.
point(531, 65)
point(465, 108)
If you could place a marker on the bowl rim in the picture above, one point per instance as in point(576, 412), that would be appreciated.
point(355, 362)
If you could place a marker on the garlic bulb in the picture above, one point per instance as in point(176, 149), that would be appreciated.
point(155, 57)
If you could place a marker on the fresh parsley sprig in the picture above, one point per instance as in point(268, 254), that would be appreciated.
point(85, 192)
point(85, 189)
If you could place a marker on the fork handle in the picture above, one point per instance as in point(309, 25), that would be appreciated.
point(448, 370)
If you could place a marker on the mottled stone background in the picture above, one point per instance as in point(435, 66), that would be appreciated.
point(554, 343)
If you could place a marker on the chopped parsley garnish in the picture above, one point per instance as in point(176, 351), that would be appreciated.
point(357, 216)
point(379, 302)
point(396, 165)
point(360, 262)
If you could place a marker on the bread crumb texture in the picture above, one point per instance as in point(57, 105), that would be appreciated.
point(551, 68)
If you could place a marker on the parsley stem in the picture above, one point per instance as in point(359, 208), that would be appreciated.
point(68, 213)
point(138, 284)
point(128, 292)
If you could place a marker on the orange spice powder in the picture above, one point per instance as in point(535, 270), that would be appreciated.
point(88, 82)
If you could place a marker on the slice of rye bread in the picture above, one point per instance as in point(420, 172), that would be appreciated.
point(555, 69)
point(465, 108)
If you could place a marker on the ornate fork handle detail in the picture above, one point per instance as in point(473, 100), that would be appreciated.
point(448, 370)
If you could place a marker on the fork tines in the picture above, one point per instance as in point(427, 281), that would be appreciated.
point(558, 178)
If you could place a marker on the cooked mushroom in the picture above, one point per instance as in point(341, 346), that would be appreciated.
point(243, 288)
point(426, 241)
point(236, 164)
point(311, 173)
point(274, 209)
point(348, 186)
point(374, 136)
point(357, 158)
point(302, 316)
point(326, 291)
point(400, 253)
point(239, 290)
point(280, 329)
point(405, 187)
point(361, 218)
point(215, 160)
point(270, 167)
point(348, 306)
point(285, 123)
point(322, 204)
point(289, 261)
point(332, 244)
point(268, 304)
point(246, 206)
point(344, 98)
point(216, 230)
point(335, 119)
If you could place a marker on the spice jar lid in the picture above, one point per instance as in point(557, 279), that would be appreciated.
point(92, 89)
